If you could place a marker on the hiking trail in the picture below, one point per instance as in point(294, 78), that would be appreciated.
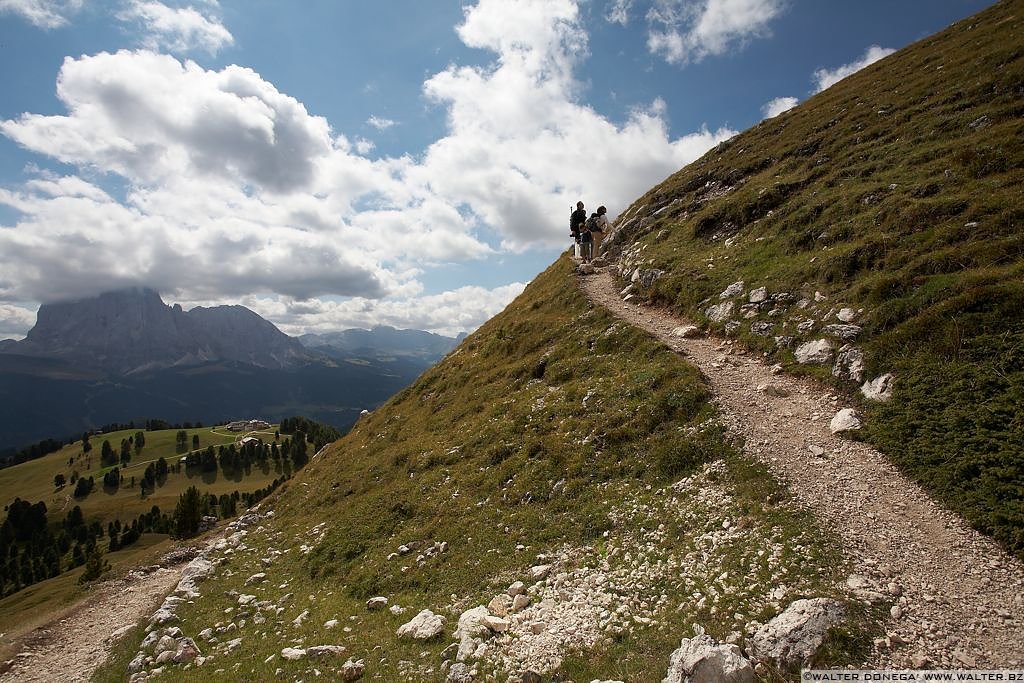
point(76, 642)
point(957, 598)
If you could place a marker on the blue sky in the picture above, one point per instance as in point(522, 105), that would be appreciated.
point(335, 164)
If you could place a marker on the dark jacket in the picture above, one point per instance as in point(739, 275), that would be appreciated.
point(576, 220)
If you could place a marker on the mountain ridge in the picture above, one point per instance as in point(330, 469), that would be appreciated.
point(132, 330)
point(126, 355)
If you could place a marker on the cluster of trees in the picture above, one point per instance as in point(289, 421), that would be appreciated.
point(158, 425)
point(32, 549)
point(10, 457)
point(291, 454)
point(153, 425)
point(193, 505)
point(319, 434)
point(108, 457)
point(83, 486)
point(36, 450)
point(154, 475)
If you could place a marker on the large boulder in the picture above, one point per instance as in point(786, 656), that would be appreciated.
point(648, 276)
point(735, 289)
point(325, 651)
point(719, 312)
point(469, 632)
point(459, 673)
point(758, 295)
point(423, 626)
point(500, 605)
point(792, 638)
point(845, 420)
point(470, 622)
point(702, 659)
point(817, 352)
point(194, 572)
point(352, 670)
point(186, 652)
point(379, 602)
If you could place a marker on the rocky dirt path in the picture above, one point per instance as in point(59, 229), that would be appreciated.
point(957, 598)
point(76, 643)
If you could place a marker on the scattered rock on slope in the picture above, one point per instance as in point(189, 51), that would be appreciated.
point(423, 626)
point(792, 638)
point(702, 659)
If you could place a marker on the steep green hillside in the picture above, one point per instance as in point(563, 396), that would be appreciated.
point(554, 435)
point(899, 194)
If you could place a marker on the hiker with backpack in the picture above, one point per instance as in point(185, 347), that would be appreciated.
point(576, 221)
point(597, 224)
point(586, 242)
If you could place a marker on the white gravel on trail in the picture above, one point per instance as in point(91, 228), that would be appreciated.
point(73, 646)
point(957, 599)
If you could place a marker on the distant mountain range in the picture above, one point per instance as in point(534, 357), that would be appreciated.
point(382, 342)
point(126, 355)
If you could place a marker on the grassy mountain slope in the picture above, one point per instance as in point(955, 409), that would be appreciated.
point(899, 193)
point(553, 435)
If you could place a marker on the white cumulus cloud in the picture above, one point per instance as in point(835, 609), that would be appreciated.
point(682, 31)
point(520, 149)
point(230, 188)
point(448, 313)
point(176, 29)
point(823, 78)
point(778, 105)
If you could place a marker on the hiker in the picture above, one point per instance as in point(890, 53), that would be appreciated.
point(599, 225)
point(576, 220)
point(586, 241)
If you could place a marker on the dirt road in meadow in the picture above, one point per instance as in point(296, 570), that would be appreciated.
point(957, 600)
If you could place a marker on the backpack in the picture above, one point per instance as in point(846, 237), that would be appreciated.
point(593, 225)
point(576, 220)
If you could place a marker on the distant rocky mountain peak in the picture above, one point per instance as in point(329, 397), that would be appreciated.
point(133, 329)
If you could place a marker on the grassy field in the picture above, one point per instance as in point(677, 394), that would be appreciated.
point(897, 193)
point(33, 480)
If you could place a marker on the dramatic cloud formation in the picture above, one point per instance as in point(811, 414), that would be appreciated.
point(46, 14)
point(683, 31)
point(823, 78)
point(212, 185)
point(181, 29)
point(533, 149)
point(778, 105)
